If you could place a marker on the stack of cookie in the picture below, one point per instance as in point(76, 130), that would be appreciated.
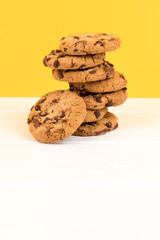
point(81, 62)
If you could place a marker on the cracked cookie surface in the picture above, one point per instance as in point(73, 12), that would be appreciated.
point(108, 85)
point(56, 116)
point(59, 60)
point(95, 115)
point(107, 123)
point(89, 43)
point(101, 100)
point(103, 71)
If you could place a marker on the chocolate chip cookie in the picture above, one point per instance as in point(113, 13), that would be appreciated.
point(107, 123)
point(108, 85)
point(89, 43)
point(95, 115)
point(100, 100)
point(103, 71)
point(56, 116)
point(59, 60)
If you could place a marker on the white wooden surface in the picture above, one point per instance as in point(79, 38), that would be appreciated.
point(105, 187)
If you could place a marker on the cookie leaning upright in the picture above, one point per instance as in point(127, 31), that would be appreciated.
point(89, 43)
point(56, 116)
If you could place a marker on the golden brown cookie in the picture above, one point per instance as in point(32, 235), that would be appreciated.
point(56, 116)
point(101, 100)
point(107, 123)
point(95, 115)
point(59, 60)
point(89, 43)
point(103, 71)
point(108, 85)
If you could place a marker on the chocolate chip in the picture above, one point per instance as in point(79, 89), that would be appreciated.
point(54, 101)
point(62, 91)
point(72, 65)
point(97, 114)
point(99, 99)
point(75, 50)
point(81, 93)
point(29, 121)
point(49, 131)
point(61, 55)
point(42, 100)
point(76, 37)
point(60, 74)
point(82, 66)
point(124, 89)
point(110, 64)
point(108, 69)
point(98, 42)
point(116, 126)
point(47, 59)
point(44, 61)
point(112, 40)
point(56, 63)
point(53, 52)
point(121, 76)
point(65, 49)
point(62, 131)
point(47, 119)
point(63, 114)
point(55, 118)
point(89, 36)
point(92, 71)
point(57, 51)
point(62, 38)
point(36, 123)
point(104, 34)
point(71, 87)
point(43, 115)
point(109, 104)
point(109, 124)
point(37, 108)
point(100, 132)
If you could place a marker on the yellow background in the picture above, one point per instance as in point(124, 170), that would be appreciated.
point(31, 29)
